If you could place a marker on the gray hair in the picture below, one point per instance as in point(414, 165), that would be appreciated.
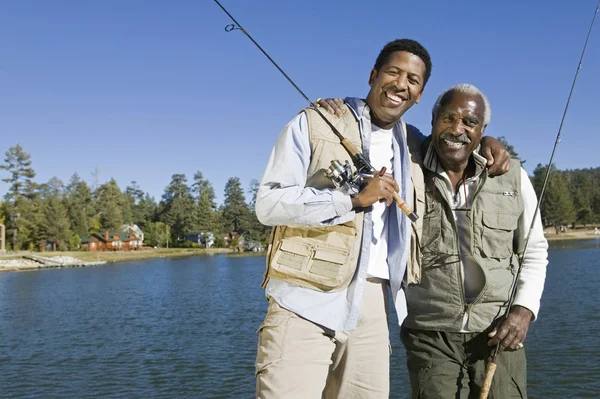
point(468, 89)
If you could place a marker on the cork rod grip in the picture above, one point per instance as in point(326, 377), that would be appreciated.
point(487, 382)
point(405, 208)
point(397, 199)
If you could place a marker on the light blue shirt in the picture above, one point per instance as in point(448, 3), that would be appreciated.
point(283, 199)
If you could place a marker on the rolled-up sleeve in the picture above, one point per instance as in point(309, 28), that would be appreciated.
point(282, 197)
point(533, 274)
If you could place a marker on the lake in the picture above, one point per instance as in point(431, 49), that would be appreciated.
point(186, 328)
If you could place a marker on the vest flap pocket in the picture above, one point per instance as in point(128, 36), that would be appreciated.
point(497, 234)
point(502, 221)
point(293, 254)
point(331, 255)
point(295, 246)
point(327, 262)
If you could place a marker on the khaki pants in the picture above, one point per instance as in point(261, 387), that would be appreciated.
point(299, 359)
point(452, 365)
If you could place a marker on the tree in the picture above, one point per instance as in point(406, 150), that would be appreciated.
point(157, 234)
point(110, 205)
point(207, 208)
point(582, 187)
point(18, 165)
point(235, 213)
point(20, 213)
point(55, 226)
point(80, 207)
point(510, 149)
point(178, 209)
point(257, 231)
point(143, 207)
point(557, 206)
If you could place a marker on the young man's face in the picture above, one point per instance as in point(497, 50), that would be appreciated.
point(395, 88)
point(457, 128)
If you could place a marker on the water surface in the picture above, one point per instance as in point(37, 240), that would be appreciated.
point(186, 328)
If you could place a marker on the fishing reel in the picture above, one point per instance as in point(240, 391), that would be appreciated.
point(343, 178)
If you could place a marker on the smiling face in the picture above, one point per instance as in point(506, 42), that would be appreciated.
point(395, 87)
point(457, 128)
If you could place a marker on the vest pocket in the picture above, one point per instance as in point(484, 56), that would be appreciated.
point(316, 257)
point(497, 234)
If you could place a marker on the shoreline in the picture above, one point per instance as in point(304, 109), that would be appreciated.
point(576, 234)
point(87, 259)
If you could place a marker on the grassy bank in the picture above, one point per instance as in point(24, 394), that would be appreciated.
point(147, 253)
point(576, 234)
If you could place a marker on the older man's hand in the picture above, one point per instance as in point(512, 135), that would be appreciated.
point(334, 106)
point(498, 159)
point(512, 331)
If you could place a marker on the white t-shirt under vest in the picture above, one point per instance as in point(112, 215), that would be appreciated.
point(381, 155)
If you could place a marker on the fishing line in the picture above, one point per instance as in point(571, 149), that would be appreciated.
point(362, 165)
point(491, 368)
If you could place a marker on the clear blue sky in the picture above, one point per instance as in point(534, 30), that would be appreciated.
point(145, 89)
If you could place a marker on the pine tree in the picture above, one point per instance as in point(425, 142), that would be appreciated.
point(178, 208)
point(205, 196)
point(110, 206)
point(21, 214)
point(235, 213)
point(510, 149)
point(55, 225)
point(557, 206)
point(80, 206)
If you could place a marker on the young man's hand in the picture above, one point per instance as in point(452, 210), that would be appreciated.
point(498, 159)
point(379, 188)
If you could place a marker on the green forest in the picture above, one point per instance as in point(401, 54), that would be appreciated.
point(63, 213)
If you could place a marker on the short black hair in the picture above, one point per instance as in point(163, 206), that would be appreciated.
point(407, 45)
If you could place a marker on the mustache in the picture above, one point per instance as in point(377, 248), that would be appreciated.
point(395, 89)
point(457, 139)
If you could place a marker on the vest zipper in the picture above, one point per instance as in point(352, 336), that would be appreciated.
point(461, 283)
point(469, 306)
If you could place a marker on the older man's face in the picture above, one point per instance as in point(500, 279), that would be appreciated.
point(457, 128)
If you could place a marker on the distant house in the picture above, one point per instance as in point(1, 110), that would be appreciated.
point(131, 237)
point(253, 245)
point(205, 239)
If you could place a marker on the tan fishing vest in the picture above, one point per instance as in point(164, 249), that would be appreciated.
point(325, 258)
point(320, 258)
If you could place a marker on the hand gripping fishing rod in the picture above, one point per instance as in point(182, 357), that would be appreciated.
point(491, 367)
point(362, 165)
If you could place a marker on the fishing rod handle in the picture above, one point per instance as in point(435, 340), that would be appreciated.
point(397, 199)
point(487, 382)
point(404, 207)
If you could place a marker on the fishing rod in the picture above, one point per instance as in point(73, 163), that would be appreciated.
point(491, 367)
point(362, 165)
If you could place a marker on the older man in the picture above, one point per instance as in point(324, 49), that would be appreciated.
point(474, 228)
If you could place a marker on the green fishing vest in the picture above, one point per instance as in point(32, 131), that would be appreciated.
point(438, 301)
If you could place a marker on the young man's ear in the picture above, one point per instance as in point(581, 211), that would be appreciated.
point(372, 76)
point(419, 97)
